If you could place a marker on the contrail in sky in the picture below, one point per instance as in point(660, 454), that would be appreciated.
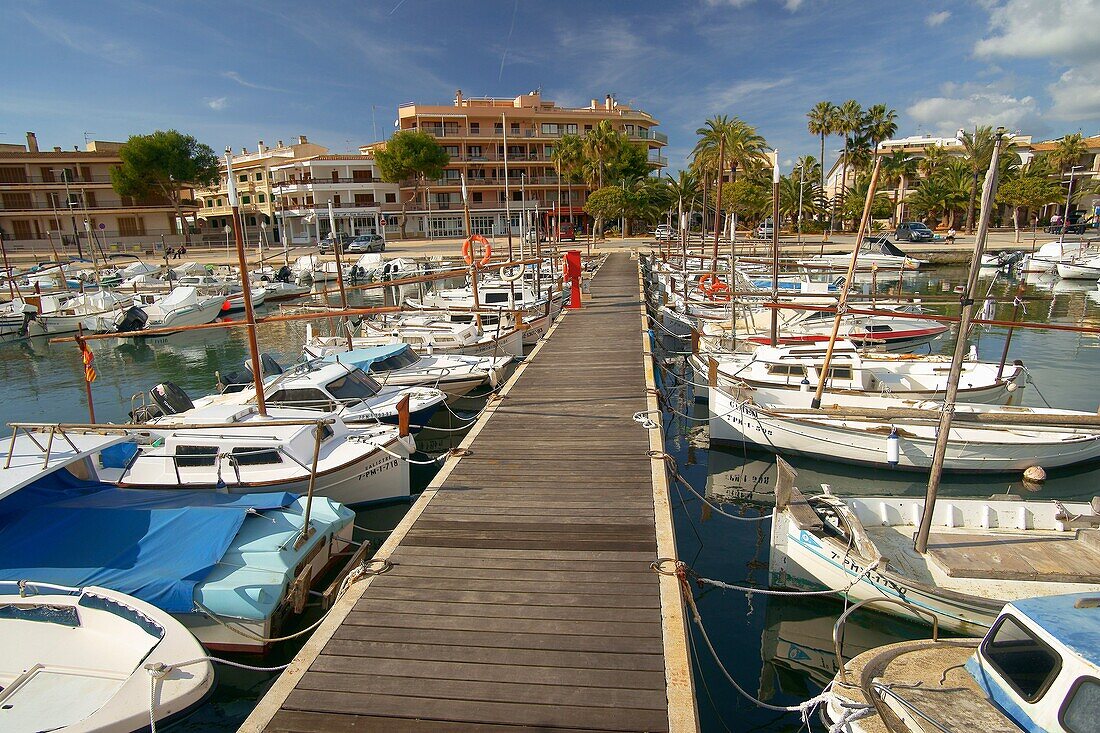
point(507, 43)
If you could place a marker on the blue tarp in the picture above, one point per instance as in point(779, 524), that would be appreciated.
point(154, 545)
point(363, 358)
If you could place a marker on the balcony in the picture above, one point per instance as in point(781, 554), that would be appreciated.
point(648, 135)
point(514, 182)
point(350, 207)
point(456, 206)
point(56, 181)
point(36, 207)
point(658, 161)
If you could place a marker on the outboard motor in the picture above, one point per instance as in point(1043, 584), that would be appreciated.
point(131, 319)
point(267, 361)
point(283, 275)
point(170, 398)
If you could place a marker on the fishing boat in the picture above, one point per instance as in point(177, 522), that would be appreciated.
point(401, 366)
point(1037, 669)
point(982, 553)
point(272, 453)
point(15, 318)
point(1027, 438)
point(773, 375)
point(100, 311)
point(428, 333)
point(234, 569)
point(80, 659)
point(183, 306)
point(326, 386)
point(1085, 268)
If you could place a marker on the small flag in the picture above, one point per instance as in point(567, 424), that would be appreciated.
point(87, 357)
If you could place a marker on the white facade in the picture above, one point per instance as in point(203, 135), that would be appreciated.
point(304, 188)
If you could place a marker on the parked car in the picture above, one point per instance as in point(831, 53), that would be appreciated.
point(913, 231)
point(534, 236)
point(327, 244)
point(366, 243)
point(664, 232)
point(765, 230)
point(567, 232)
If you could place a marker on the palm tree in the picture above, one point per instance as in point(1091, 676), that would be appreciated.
point(600, 143)
point(978, 149)
point(743, 147)
point(880, 124)
point(822, 121)
point(684, 186)
point(567, 158)
point(1067, 152)
point(934, 158)
point(849, 122)
point(896, 171)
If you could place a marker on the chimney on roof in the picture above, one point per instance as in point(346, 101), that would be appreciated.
point(260, 147)
point(57, 148)
point(76, 148)
point(608, 103)
point(594, 104)
point(458, 97)
point(302, 140)
point(280, 143)
point(32, 142)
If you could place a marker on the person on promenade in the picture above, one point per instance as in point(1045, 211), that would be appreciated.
point(951, 235)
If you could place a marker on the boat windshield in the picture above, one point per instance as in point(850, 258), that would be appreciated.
point(1023, 660)
point(400, 360)
point(353, 387)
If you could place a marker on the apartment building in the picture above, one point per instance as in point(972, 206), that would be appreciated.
point(304, 187)
point(480, 133)
point(46, 196)
point(1087, 173)
point(253, 171)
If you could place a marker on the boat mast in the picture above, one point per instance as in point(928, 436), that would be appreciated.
point(842, 303)
point(337, 245)
point(775, 247)
point(989, 189)
point(717, 210)
point(508, 216)
point(246, 290)
point(473, 253)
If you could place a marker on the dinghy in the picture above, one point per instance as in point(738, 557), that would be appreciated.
point(1037, 669)
point(81, 659)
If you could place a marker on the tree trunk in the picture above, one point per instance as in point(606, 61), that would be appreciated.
point(970, 206)
point(1016, 222)
point(824, 231)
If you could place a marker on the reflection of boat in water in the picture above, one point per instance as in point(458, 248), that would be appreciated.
point(797, 643)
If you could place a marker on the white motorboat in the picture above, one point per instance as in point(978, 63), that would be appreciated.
point(905, 442)
point(234, 298)
point(1087, 268)
point(982, 553)
point(233, 568)
point(320, 385)
point(277, 290)
point(1048, 256)
point(1037, 669)
point(399, 365)
point(773, 375)
point(183, 306)
point(15, 318)
point(80, 659)
point(496, 301)
point(361, 466)
point(428, 333)
point(875, 251)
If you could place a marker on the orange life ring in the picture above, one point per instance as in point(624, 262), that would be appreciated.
point(704, 285)
point(719, 291)
point(468, 250)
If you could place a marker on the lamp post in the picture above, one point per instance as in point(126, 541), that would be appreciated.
point(72, 214)
point(228, 233)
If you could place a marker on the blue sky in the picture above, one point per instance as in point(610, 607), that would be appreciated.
point(232, 73)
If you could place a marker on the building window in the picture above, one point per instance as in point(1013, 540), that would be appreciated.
point(475, 151)
point(475, 128)
point(251, 221)
point(477, 197)
point(209, 203)
point(588, 128)
point(450, 174)
point(260, 198)
point(362, 176)
point(131, 226)
point(364, 199)
point(260, 176)
point(452, 150)
point(391, 198)
point(243, 178)
point(21, 228)
point(547, 150)
point(219, 202)
point(571, 129)
point(498, 128)
point(549, 128)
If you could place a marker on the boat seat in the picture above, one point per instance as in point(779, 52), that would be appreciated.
point(1072, 558)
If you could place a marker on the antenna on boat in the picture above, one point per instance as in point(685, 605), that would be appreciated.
point(246, 290)
point(842, 303)
point(989, 190)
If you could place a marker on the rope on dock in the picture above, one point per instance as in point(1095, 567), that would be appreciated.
point(853, 711)
point(673, 469)
point(160, 670)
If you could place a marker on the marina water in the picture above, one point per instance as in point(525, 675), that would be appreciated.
point(779, 649)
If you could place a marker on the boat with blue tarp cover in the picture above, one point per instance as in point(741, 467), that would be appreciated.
point(231, 567)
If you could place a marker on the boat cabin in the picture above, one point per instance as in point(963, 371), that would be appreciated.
point(1040, 663)
point(378, 359)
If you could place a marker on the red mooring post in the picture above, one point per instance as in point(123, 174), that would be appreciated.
point(573, 272)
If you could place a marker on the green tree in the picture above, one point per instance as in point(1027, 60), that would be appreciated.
point(1028, 188)
point(1067, 152)
point(684, 187)
point(853, 203)
point(750, 197)
point(934, 158)
point(849, 123)
point(410, 155)
point(568, 159)
point(897, 170)
point(605, 203)
point(647, 200)
point(627, 162)
point(601, 144)
point(163, 164)
point(822, 121)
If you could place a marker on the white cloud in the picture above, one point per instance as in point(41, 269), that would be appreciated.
point(966, 106)
point(790, 5)
point(216, 103)
point(1041, 29)
point(234, 76)
point(937, 19)
point(727, 96)
point(1076, 94)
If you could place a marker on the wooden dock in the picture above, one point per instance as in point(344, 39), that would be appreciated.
point(521, 593)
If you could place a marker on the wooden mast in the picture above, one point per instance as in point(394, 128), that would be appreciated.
point(989, 189)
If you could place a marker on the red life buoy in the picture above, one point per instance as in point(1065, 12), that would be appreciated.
point(468, 250)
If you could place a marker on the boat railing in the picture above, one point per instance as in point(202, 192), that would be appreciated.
point(838, 627)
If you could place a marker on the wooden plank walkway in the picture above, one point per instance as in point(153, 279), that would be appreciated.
point(521, 593)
